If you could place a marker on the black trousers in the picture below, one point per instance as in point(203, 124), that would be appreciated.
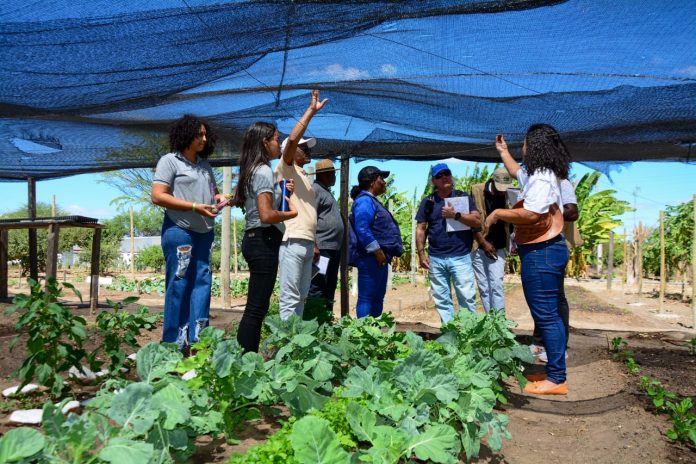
point(564, 312)
point(324, 286)
point(260, 250)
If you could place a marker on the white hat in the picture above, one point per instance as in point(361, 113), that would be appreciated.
point(310, 143)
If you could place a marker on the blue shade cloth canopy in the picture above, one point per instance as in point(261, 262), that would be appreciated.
point(92, 86)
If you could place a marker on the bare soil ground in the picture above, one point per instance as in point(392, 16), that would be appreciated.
point(604, 418)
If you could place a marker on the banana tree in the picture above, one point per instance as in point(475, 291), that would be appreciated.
point(599, 214)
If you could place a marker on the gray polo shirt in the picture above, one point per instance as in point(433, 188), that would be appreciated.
point(262, 180)
point(329, 222)
point(190, 182)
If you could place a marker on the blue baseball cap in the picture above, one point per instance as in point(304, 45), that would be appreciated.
point(438, 168)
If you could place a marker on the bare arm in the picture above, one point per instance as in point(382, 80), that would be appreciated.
point(570, 212)
point(473, 219)
point(512, 216)
point(420, 246)
point(162, 196)
point(298, 131)
point(510, 164)
point(264, 202)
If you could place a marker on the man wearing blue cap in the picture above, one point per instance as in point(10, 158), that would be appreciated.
point(449, 252)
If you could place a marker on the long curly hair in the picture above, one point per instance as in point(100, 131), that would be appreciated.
point(546, 150)
point(186, 129)
point(253, 155)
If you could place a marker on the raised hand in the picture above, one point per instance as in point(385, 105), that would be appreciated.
point(315, 104)
point(500, 144)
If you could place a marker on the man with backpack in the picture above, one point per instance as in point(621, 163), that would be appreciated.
point(445, 218)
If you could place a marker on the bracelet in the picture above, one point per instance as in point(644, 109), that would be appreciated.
point(193, 207)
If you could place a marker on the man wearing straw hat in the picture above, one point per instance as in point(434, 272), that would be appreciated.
point(329, 232)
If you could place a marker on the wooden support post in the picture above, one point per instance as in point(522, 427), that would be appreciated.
point(610, 260)
point(225, 240)
point(132, 240)
point(344, 249)
point(390, 270)
point(234, 244)
point(625, 257)
point(33, 247)
point(4, 280)
point(663, 270)
point(693, 270)
point(414, 254)
point(94, 271)
point(639, 258)
point(53, 206)
point(52, 251)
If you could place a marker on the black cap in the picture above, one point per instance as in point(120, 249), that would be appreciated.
point(370, 173)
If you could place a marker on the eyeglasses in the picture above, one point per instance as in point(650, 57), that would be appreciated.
point(442, 174)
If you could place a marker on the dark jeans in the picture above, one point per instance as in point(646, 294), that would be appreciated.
point(372, 286)
point(543, 265)
point(324, 286)
point(564, 311)
point(260, 250)
point(188, 281)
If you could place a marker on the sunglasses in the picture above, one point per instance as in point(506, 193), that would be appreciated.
point(442, 174)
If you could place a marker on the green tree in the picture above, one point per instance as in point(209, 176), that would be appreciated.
point(401, 209)
point(150, 257)
point(599, 213)
point(679, 230)
point(147, 222)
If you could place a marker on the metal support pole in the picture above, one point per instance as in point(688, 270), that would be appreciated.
point(225, 240)
point(345, 158)
point(33, 248)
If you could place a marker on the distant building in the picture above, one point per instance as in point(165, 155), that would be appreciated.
point(140, 243)
point(70, 258)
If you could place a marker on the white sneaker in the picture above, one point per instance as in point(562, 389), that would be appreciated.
point(543, 358)
point(536, 350)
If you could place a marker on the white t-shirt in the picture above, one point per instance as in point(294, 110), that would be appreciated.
point(540, 190)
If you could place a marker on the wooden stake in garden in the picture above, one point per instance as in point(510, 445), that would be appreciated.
point(132, 237)
point(663, 271)
point(638, 238)
point(225, 240)
point(610, 261)
point(414, 261)
point(693, 270)
point(625, 257)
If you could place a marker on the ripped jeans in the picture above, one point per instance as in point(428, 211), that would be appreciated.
point(188, 282)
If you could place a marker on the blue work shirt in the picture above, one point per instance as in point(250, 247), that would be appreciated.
point(443, 244)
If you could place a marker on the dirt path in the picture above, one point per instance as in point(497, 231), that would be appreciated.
point(604, 419)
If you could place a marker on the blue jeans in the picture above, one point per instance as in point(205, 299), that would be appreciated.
point(489, 277)
point(187, 281)
point(372, 286)
point(543, 265)
point(295, 265)
point(459, 270)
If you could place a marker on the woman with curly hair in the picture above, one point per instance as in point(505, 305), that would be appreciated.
point(538, 221)
point(184, 185)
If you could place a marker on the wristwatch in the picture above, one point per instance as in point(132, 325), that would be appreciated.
point(457, 216)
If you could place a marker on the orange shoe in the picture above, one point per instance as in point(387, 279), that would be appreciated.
point(546, 387)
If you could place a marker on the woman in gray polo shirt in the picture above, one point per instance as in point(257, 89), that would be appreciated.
point(185, 186)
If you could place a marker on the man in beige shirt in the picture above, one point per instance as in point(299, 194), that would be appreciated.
point(298, 250)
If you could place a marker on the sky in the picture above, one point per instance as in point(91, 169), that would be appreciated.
point(650, 186)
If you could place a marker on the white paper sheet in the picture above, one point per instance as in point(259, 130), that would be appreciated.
point(323, 264)
point(461, 205)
